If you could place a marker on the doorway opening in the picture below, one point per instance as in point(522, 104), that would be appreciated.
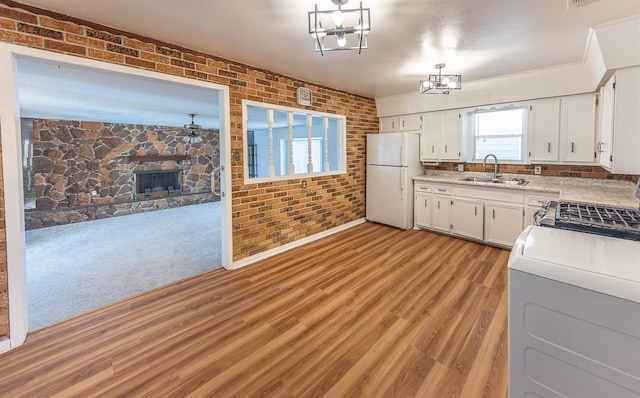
point(107, 111)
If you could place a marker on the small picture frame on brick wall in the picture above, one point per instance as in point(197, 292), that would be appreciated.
point(304, 96)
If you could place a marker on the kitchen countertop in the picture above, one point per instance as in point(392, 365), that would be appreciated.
point(587, 190)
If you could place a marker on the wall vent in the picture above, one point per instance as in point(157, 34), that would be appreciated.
point(573, 4)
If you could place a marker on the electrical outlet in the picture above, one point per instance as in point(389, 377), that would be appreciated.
point(304, 184)
point(460, 166)
point(537, 170)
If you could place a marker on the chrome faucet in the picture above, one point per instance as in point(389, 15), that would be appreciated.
point(496, 172)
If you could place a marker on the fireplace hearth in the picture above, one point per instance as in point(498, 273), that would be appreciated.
point(157, 183)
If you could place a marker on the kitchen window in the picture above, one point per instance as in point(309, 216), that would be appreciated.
point(500, 131)
point(286, 143)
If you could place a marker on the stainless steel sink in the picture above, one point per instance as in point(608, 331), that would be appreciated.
point(515, 181)
point(476, 179)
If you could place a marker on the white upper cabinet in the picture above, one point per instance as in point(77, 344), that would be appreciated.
point(620, 132)
point(544, 130)
point(605, 142)
point(389, 124)
point(392, 124)
point(441, 136)
point(410, 122)
point(578, 128)
point(430, 137)
point(450, 135)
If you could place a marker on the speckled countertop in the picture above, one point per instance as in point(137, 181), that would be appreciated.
point(587, 190)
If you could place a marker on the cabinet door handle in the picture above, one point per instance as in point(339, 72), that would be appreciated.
point(425, 202)
point(433, 149)
point(475, 210)
point(442, 190)
point(403, 123)
point(493, 213)
point(573, 146)
point(549, 147)
point(600, 145)
point(445, 149)
point(438, 205)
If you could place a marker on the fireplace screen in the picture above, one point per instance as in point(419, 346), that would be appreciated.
point(158, 183)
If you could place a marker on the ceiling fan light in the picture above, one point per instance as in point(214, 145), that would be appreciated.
point(342, 41)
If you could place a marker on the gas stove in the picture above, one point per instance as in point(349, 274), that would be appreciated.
point(617, 222)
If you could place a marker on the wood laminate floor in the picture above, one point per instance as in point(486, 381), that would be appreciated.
point(371, 312)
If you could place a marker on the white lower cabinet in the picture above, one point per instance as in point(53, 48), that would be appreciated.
point(503, 223)
point(491, 215)
point(422, 209)
point(441, 216)
point(468, 218)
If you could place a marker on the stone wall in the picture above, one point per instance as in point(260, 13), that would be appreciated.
point(84, 171)
point(82, 163)
point(266, 215)
point(47, 218)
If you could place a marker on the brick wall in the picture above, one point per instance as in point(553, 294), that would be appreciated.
point(266, 215)
point(555, 170)
point(4, 298)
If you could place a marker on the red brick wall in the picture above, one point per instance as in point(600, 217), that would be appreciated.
point(4, 299)
point(555, 170)
point(266, 215)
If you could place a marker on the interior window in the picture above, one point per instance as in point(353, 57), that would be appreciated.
point(281, 143)
point(500, 132)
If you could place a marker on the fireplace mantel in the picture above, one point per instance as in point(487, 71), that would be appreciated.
point(158, 158)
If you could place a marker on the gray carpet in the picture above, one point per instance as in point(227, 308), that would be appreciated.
point(78, 267)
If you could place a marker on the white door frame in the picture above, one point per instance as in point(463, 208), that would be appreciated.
point(12, 168)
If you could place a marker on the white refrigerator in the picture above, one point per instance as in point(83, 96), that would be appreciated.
point(393, 159)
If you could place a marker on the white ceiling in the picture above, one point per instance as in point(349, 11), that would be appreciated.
point(56, 90)
point(479, 39)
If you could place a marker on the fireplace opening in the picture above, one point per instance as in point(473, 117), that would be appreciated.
point(157, 184)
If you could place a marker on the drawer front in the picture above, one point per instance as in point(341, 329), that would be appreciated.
point(493, 194)
point(424, 188)
point(440, 190)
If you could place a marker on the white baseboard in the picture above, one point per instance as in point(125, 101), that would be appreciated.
point(281, 249)
point(5, 345)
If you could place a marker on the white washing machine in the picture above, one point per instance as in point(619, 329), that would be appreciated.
point(574, 315)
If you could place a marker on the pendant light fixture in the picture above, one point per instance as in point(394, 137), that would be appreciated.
point(193, 137)
point(440, 84)
point(341, 29)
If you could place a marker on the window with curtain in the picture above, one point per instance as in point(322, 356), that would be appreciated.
point(284, 143)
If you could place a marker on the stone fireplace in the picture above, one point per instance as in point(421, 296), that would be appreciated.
point(157, 184)
point(89, 170)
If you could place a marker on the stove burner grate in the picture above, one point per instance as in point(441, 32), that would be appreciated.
point(591, 215)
